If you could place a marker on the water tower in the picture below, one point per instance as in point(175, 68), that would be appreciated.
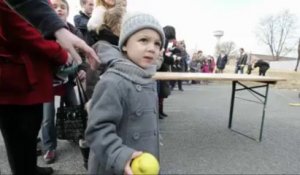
point(218, 34)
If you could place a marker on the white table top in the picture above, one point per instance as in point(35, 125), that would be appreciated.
point(212, 76)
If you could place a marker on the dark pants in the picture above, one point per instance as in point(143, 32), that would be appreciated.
point(237, 68)
point(262, 71)
point(173, 83)
point(48, 129)
point(20, 125)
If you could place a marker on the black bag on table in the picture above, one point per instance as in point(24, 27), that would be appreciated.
point(71, 121)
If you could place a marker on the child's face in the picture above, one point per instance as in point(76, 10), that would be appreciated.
point(61, 9)
point(88, 7)
point(143, 47)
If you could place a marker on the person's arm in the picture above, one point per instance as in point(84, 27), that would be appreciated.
point(28, 38)
point(71, 42)
point(40, 14)
point(43, 17)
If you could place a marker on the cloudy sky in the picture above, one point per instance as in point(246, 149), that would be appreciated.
point(196, 20)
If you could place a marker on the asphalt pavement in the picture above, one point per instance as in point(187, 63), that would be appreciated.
point(195, 138)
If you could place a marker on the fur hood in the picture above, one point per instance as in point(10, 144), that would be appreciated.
point(111, 17)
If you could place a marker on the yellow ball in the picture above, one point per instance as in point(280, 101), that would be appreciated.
point(146, 163)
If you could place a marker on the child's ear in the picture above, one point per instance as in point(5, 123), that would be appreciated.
point(124, 48)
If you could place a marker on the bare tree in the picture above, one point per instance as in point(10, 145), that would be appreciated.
point(228, 47)
point(298, 59)
point(276, 32)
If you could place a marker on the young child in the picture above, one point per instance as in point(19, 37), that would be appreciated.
point(63, 85)
point(123, 118)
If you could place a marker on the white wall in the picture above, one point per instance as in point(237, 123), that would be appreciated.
point(283, 65)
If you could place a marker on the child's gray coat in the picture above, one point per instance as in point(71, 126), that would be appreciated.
point(123, 117)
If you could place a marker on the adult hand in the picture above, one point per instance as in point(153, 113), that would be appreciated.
point(71, 42)
point(127, 170)
point(81, 75)
point(71, 60)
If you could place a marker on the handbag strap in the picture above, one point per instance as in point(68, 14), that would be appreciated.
point(82, 95)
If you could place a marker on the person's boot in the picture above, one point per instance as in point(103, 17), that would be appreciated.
point(180, 85)
point(161, 106)
point(44, 170)
point(160, 116)
point(163, 114)
point(85, 154)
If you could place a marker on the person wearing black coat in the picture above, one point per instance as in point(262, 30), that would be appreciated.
point(241, 61)
point(163, 86)
point(179, 65)
point(221, 62)
point(263, 67)
point(81, 20)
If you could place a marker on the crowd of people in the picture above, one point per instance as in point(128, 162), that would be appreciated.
point(114, 53)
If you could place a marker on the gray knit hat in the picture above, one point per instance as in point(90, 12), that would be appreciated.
point(133, 22)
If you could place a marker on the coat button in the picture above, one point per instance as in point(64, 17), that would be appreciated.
point(138, 87)
point(138, 113)
point(136, 136)
point(154, 88)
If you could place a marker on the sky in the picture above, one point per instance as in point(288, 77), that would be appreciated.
point(196, 20)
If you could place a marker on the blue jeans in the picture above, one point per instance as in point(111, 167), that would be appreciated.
point(237, 68)
point(48, 125)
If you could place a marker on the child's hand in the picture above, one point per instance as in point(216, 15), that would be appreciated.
point(127, 170)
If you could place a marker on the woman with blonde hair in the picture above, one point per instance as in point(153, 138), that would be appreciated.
point(107, 11)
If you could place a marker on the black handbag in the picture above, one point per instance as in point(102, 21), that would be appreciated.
point(71, 121)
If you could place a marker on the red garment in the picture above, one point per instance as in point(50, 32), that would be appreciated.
point(60, 90)
point(205, 68)
point(20, 41)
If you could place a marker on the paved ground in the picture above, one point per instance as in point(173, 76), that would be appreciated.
point(195, 138)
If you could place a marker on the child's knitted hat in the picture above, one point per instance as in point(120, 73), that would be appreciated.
point(134, 22)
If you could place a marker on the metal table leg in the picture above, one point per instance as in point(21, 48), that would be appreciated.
point(255, 93)
point(232, 103)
